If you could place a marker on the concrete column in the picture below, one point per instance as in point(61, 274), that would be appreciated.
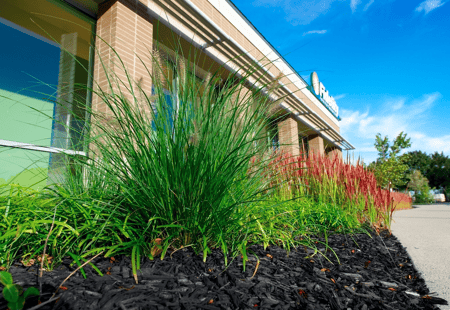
point(316, 144)
point(288, 136)
point(128, 29)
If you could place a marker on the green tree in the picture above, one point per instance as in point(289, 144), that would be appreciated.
point(390, 167)
point(419, 184)
point(418, 160)
point(439, 173)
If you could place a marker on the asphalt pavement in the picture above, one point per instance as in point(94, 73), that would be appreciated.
point(425, 232)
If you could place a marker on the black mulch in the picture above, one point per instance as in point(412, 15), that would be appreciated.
point(374, 273)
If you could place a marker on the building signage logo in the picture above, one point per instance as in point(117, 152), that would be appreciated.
point(319, 90)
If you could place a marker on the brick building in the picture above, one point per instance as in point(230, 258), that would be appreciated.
point(216, 29)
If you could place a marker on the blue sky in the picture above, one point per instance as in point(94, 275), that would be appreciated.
point(386, 62)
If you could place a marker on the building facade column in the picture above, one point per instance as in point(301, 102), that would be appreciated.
point(125, 26)
point(288, 136)
point(316, 145)
point(123, 47)
point(335, 152)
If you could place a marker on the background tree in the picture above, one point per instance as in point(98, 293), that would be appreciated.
point(419, 184)
point(418, 160)
point(439, 173)
point(390, 167)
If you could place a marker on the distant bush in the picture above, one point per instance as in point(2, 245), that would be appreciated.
point(419, 184)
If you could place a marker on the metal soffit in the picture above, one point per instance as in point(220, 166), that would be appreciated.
point(240, 52)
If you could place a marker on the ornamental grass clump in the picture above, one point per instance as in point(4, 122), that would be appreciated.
point(172, 165)
point(401, 200)
point(332, 181)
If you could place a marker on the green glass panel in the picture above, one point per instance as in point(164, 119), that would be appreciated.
point(25, 119)
point(24, 167)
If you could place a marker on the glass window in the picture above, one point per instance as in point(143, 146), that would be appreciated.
point(41, 92)
point(170, 89)
point(273, 137)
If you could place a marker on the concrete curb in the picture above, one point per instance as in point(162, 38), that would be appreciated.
point(425, 232)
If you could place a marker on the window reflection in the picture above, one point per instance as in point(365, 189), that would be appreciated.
point(43, 78)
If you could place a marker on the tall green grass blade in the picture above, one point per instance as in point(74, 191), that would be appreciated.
point(134, 259)
point(76, 258)
point(92, 265)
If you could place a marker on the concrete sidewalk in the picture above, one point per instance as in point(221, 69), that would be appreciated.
point(425, 232)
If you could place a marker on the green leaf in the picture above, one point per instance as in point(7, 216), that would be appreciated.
point(19, 288)
point(31, 291)
point(14, 306)
point(5, 278)
point(11, 292)
point(18, 305)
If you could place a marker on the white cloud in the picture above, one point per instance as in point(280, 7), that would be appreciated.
point(397, 104)
point(267, 2)
point(354, 4)
point(367, 149)
point(389, 119)
point(298, 12)
point(303, 12)
point(368, 5)
point(420, 106)
point(338, 97)
point(350, 119)
point(439, 144)
point(429, 5)
point(315, 32)
point(417, 135)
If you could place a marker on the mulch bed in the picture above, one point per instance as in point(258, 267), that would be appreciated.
point(374, 273)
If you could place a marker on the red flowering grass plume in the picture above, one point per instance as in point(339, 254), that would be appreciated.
point(402, 200)
point(322, 176)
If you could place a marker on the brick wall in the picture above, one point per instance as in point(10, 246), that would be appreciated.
point(123, 44)
point(288, 136)
point(316, 144)
point(128, 30)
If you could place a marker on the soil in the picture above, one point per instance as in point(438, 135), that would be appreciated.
point(374, 273)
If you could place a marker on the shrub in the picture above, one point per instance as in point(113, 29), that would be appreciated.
point(419, 184)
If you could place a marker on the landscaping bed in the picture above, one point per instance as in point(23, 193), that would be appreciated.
point(185, 182)
point(374, 273)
